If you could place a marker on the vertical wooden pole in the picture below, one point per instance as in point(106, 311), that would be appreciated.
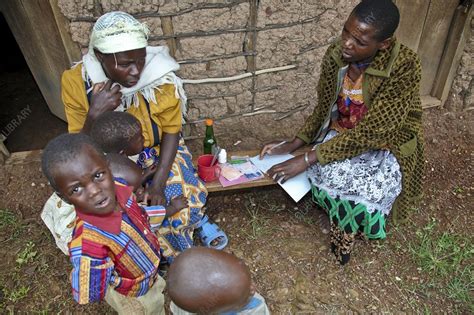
point(72, 49)
point(250, 45)
point(167, 28)
point(251, 36)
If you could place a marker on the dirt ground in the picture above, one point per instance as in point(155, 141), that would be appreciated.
point(423, 267)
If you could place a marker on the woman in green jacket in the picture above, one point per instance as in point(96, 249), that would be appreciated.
point(367, 159)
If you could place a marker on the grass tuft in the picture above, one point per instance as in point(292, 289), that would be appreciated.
point(10, 225)
point(16, 294)
point(27, 255)
point(447, 258)
point(257, 221)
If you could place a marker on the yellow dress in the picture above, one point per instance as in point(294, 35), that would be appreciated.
point(167, 114)
point(176, 232)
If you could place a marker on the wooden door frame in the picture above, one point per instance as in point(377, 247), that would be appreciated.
point(412, 27)
point(42, 33)
point(459, 34)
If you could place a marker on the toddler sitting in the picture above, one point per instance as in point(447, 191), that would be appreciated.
point(120, 132)
point(128, 173)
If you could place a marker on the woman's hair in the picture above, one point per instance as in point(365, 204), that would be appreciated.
point(63, 149)
point(113, 131)
point(383, 15)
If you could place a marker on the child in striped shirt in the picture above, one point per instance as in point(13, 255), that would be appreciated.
point(114, 252)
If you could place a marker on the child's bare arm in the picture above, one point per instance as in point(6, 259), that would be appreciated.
point(148, 173)
point(176, 204)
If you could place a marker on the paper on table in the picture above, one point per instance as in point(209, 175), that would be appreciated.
point(246, 172)
point(296, 187)
point(229, 172)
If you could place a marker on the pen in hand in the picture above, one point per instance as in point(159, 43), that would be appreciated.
point(269, 150)
point(277, 145)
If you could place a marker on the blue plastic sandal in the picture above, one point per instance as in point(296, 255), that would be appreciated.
point(208, 232)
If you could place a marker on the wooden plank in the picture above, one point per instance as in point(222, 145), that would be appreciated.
point(3, 149)
point(72, 49)
point(216, 185)
point(33, 24)
point(433, 40)
point(167, 27)
point(266, 181)
point(459, 34)
point(24, 157)
point(412, 19)
point(428, 101)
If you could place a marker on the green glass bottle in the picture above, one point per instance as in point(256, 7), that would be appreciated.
point(210, 143)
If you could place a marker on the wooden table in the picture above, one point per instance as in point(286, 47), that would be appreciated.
point(265, 181)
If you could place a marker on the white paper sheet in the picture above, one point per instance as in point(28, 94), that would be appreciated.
point(296, 187)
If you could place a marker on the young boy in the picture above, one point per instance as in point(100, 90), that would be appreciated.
point(209, 281)
point(114, 253)
point(114, 132)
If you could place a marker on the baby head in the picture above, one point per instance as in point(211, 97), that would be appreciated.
point(118, 132)
point(124, 168)
point(77, 169)
point(206, 280)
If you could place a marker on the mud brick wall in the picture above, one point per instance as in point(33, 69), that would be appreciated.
point(461, 96)
point(221, 39)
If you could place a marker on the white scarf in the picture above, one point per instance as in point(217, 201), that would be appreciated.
point(158, 70)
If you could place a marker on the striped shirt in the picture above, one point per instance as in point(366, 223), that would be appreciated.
point(119, 250)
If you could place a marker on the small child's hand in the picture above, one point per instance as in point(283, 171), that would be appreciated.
point(176, 204)
point(148, 173)
point(140, 194)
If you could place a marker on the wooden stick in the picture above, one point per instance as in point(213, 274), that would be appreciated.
point(237, 77)
point(212, 58)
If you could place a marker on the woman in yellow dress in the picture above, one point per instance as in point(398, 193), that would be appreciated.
point(121, 72)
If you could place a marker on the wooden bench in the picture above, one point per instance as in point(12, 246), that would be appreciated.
point(35, 156)
point(266, 181)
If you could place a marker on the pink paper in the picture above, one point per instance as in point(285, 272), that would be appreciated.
point(242, 179)
point(225, 183)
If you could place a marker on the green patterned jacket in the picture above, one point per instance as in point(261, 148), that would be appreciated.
point(391, 91)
